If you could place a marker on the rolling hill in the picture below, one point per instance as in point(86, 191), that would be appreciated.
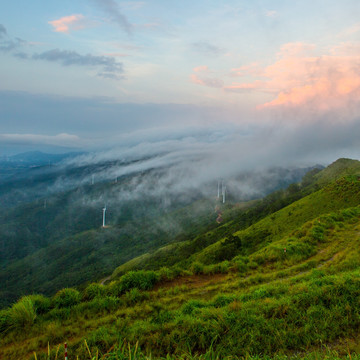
point(278, 277)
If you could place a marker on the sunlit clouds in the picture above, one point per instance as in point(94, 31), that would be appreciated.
point(99, 69)
point(301, 76)
point(69, 23)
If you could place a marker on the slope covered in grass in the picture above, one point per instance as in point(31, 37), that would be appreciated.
point(343, 193)
point(287, 285)
point(290, 302)
point(229, 239)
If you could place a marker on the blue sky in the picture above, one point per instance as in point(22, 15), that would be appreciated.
point(94, 70)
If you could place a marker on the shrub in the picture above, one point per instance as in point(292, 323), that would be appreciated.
point(94, 290)
point(241, 266)
point(318, 233)
point(197, 267)
point(4, 320)
point(166, 274)
point(142, 280)
point(66, 297)
point(115, 288)
point(134, 295)
point(222, 267)
point(22, 314)
point(59, 314)
point(42, 304)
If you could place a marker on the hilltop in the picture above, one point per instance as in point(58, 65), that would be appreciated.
point(279, 277)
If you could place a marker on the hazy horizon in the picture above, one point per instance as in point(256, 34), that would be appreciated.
point(276, 82)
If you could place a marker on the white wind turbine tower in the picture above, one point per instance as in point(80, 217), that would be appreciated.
point(104, 211)
point(218, 190)
point(223, 191)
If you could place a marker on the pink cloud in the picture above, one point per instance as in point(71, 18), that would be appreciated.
point(243, 87)
point(299, 77)
point(325, 82)
point(67, 23)
point(206, 81)
point(252, 69)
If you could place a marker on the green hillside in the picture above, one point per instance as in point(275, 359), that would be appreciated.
point(92, 254)
point(224, 242)
point(279, 278)
point(57, 241)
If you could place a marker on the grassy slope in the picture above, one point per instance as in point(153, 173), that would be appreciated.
point(264, 301)
point(96, 252)
point(343, 193)
point(294, 301)
point(219, 244)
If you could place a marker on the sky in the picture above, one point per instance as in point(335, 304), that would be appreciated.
point(280, 79)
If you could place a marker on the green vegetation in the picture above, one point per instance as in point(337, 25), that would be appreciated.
point(283, 283)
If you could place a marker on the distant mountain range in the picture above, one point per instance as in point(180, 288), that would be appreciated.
point(36, 158)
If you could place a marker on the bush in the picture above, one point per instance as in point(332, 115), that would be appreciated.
point(318, 233)
point(66, 297)
point(42, 304)
point(115, 288)
point(22, 314)
point(134, 295)
point(94, 290)
point(4, 320)
point(142, 280)
point(241, 266)
point(221, 268)
point(197, 268)
point(166, 274)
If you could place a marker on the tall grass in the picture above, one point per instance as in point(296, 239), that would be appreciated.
point(22, 314)
point(126, 351)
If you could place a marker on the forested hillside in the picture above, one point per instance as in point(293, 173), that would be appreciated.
point(50, 225)
point(278, 277)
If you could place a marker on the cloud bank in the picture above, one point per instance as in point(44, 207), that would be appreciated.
point(109, 67)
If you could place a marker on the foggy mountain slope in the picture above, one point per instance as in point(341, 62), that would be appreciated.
point(304, 235)
point(320, 192)
point(146, 208)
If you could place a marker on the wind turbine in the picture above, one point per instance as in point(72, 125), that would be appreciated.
point(223, 191)
point(104, 211)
